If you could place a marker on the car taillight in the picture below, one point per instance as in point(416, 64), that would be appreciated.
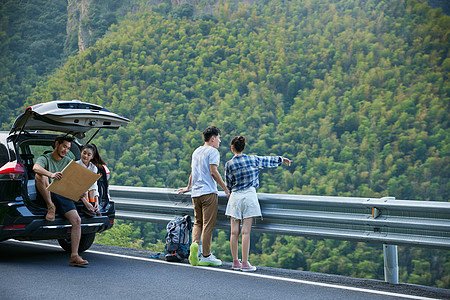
point(12, 227)
point(108, 174)
point(12, 170)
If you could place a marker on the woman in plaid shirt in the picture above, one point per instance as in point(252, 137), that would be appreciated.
point(241, 174)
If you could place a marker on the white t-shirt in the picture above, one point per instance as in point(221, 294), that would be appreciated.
point(94, 169)
point(202, 181)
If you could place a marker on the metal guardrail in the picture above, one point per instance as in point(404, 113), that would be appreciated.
point(385, 220)
point(376, 220)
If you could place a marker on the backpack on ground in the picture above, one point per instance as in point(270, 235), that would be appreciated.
point(178, 239)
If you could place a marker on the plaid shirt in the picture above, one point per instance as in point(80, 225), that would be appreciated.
point(242, 171)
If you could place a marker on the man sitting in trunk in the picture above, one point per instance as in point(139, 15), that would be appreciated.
point(47, 168)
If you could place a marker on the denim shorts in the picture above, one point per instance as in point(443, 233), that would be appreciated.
point(243, 204)
point(63, 204)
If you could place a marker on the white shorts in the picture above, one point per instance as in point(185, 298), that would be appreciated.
point(243, 204)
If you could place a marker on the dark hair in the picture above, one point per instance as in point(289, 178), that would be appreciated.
point(61, 138)
point(209, 132)
point(96, 158)
point(239, 143)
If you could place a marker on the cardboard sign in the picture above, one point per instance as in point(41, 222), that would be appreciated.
point(76, 180)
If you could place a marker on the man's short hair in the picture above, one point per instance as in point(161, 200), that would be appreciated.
point(62, 138)
point(209, 132)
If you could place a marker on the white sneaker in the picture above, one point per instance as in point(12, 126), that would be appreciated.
point(211, 260)
point(200, 251)
point(247, 267)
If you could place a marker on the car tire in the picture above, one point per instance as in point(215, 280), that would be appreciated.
point(86, 242)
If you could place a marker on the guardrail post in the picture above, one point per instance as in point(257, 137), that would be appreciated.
point(390, 263)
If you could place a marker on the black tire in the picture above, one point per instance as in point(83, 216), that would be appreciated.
point(86, 242)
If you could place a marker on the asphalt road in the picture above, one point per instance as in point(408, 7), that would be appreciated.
point(40, 270)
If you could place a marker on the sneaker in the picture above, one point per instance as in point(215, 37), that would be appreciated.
point(247, 267)
point(193, 254)
point(211, 260)
point(200, 251)
point(236, 265)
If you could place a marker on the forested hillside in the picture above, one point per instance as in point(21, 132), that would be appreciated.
point(37, 36)
point(32, 35)
point(355, 92)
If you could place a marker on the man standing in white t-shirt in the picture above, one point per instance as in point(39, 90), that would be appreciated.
point(203, 183)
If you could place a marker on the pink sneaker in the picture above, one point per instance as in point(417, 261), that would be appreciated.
point(236, 265)
point(247, 267)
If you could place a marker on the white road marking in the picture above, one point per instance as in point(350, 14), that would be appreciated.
point(349, 288)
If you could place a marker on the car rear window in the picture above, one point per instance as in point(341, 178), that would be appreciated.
point(31, 150)
point(80, 106)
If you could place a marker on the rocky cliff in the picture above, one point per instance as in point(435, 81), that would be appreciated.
point(88, 20)
point(77, 24)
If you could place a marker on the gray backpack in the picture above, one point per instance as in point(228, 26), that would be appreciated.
point(178, 239)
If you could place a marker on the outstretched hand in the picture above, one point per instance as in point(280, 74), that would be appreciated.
point(287, 161)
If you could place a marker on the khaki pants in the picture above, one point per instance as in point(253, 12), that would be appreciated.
point(205, 212)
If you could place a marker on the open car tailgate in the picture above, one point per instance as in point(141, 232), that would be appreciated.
point(74, 117)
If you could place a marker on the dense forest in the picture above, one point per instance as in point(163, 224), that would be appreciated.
point(32, 38)
point(356, 95)
point(37, 36)
point(355, 92)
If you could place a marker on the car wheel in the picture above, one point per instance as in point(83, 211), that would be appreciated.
point(86, 242)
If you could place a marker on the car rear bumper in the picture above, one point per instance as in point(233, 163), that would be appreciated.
point(27, 228)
